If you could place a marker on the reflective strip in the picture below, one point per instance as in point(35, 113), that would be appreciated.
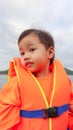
point(52, 95)
point(41, 89)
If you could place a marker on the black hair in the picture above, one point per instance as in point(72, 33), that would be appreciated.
point(45, 37)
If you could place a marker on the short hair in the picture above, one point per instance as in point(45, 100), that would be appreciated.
point(45, 37)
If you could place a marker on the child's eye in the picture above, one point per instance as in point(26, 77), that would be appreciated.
point(32, 49)
point(22, 53)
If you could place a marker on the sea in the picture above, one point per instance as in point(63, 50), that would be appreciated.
point(4, 79)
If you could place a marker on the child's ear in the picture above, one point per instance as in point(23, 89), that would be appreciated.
point(50, 52)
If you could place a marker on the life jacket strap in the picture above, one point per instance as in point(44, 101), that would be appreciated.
point(45, 113)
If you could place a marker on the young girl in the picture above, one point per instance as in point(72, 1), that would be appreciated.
point(37, 95)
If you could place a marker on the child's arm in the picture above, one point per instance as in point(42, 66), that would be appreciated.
point(9, 105)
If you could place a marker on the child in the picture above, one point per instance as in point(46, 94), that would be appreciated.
point(37, 95)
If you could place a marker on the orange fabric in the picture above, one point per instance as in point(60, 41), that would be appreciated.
point(24, 94)
point(9, 104)
point(71, 115)
point(71, 97)
point(70, 121)
point(11, 72)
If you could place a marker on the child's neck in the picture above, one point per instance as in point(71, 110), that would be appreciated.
point(40, 75)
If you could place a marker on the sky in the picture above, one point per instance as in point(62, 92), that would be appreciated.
point(54, 16)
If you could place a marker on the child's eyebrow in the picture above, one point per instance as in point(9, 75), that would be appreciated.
point(27, 46)
point(31, 44)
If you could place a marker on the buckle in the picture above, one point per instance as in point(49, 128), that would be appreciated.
point(50, 112)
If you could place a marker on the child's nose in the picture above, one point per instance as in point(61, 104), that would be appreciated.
point(26, 56)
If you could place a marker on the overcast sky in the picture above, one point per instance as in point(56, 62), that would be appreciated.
point(55, 16)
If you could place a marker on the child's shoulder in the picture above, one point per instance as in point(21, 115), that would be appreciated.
point(11, 84)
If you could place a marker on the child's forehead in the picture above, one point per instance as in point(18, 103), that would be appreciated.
point(28, 42)
point(31, 38)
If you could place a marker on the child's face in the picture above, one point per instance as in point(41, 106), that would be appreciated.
point(34, 54)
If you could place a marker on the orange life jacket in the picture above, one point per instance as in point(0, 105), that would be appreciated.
point(70, 122)
point(33, 98)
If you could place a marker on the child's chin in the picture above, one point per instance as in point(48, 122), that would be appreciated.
point(24, 66)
